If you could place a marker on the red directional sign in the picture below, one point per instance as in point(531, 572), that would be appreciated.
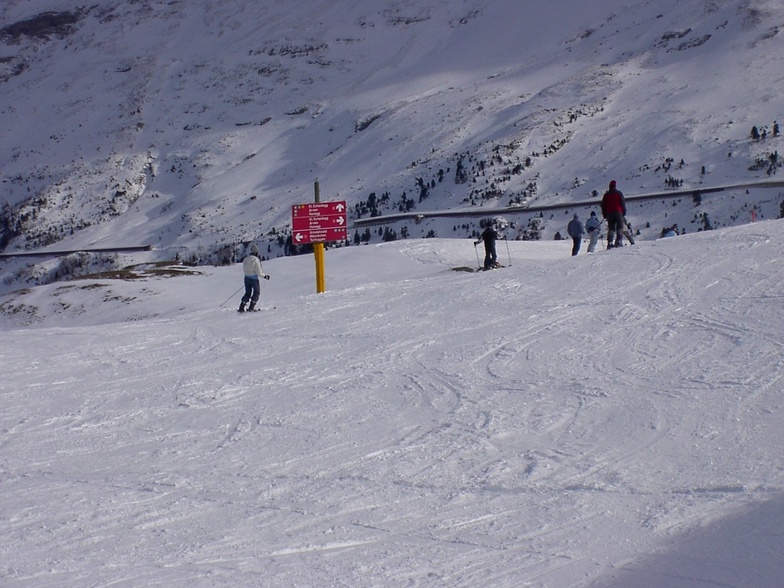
point(319, 222)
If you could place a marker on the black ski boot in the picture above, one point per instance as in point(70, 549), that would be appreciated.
point(242, 307)
point(252, 307)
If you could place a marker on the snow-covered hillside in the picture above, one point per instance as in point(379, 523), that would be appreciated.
point(606, 420)
point(194, 126)
point(603, 420)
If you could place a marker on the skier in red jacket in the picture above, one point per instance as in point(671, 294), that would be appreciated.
point(614, 210)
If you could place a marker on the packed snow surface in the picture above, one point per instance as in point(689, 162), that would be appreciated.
point(612, 419)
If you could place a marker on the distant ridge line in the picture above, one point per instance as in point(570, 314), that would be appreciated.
point(47, 253)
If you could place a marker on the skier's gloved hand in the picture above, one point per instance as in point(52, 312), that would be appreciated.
point(266, 277)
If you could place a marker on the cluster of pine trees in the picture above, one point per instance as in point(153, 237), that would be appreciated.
point(761, 133)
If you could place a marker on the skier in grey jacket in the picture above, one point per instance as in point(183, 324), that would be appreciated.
point(576, 231)
point(251, 265)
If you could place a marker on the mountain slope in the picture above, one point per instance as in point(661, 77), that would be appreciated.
point(193, 127)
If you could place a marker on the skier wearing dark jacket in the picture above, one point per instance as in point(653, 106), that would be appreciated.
point(614, 209)
point(489, 236)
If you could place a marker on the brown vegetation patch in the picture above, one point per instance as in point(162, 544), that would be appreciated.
point(160, 269)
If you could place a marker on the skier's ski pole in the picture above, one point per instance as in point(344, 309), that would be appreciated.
point(233, 295)
point(507, 251)
point(477, 255)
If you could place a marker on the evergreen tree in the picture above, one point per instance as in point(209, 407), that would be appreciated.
point(461, 175)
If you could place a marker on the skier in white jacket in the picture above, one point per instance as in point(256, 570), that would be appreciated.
point(251, 266)
point(593, 226)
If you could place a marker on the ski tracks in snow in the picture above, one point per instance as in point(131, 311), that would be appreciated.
point(322, 433)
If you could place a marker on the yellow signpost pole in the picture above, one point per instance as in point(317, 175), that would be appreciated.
point(318, 253)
